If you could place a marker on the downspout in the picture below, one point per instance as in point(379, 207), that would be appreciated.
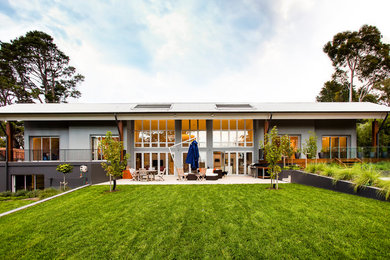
point(269, 122)
point(117, 125)
point(377, 134)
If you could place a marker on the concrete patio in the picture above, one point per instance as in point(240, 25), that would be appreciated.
point(172, 180)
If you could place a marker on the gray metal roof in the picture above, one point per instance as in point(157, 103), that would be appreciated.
point(283, 107)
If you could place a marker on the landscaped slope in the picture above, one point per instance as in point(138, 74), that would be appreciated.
point(197, 221)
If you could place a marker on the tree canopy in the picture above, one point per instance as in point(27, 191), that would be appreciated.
point(360, 59)
point(115, 164)
point(33, 69)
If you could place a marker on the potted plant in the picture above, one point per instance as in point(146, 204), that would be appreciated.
point(64, 169)
point(360, 152)
point(384, 152)
point(310, 146)
point(323, 154)
point(297, 153)
point(372, 152)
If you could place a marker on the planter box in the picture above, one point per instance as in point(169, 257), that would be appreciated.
point(325, 182)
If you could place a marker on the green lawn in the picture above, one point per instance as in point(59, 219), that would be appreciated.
point(199, 221)
point(6, 205)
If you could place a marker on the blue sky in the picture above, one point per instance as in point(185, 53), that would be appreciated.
point(149, 51)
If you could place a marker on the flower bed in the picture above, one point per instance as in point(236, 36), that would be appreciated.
point(359, 179)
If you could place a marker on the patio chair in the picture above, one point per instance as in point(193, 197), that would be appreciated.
point(202, 174)
point(160, 174)
point(181, 175)
point(143, 175)
point(134, 174)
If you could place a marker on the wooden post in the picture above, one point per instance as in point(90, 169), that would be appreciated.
point(10, 143)
point(266, 126)
point(375, 129)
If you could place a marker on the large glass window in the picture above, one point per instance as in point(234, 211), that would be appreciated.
point(96, 149)
point(154, 133)
point(233, 133)
point(28, 182)
point(162, 162)
point(295, 143)
point(233, 162)
point(334, 146)
point(193, 129)
point(45, 148)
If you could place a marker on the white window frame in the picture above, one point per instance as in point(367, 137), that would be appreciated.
point(167, 143)
point(31, 145)
point(167, 155)
point(229, 144)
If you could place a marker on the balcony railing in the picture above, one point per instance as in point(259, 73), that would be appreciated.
point(62, 155)
point(359, 152)
point(86, 155)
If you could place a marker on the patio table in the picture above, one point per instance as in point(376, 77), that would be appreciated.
point(151, 173)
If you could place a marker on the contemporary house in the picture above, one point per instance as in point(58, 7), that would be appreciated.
point(229, 135)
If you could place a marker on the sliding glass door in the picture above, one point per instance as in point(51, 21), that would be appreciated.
point(233, 162)
point(156, 161)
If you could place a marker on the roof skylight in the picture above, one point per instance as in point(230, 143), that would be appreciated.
point(152, 106)
point(233, 106)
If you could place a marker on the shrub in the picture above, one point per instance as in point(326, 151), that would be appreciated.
point(311, 167)
point(315, 168)
point(6, 194)
point(365, 178)
point(21, 193)
point(330, 170)
point(384, 188)
point(33, 193)
point(48, 193)
point(320, 167)
point(344, 174)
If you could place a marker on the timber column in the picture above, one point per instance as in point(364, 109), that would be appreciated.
point(375, 130)
point(10, 139)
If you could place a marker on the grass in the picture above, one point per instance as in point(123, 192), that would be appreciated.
point(362, 175)
point(6, 205)
point(199, 221)
point(12, 200)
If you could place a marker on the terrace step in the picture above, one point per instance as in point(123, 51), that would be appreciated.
point(347, 162)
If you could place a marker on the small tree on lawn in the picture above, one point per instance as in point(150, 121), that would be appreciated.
point(273, 154)
point(114, 165)
point(285, 145)
point(310, 146)
point(64, 169)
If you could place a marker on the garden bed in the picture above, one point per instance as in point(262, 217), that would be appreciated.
point(329, 183)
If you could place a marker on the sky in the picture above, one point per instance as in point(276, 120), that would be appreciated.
point(195, 50)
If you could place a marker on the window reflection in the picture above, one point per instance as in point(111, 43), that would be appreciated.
point(154, 133)
point(233, 133)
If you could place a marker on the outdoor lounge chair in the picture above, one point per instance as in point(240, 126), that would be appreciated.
point(210, 175)
point(161, 174)
point(180, 174)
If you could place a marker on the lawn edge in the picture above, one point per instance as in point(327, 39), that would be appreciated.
point(41, 201)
